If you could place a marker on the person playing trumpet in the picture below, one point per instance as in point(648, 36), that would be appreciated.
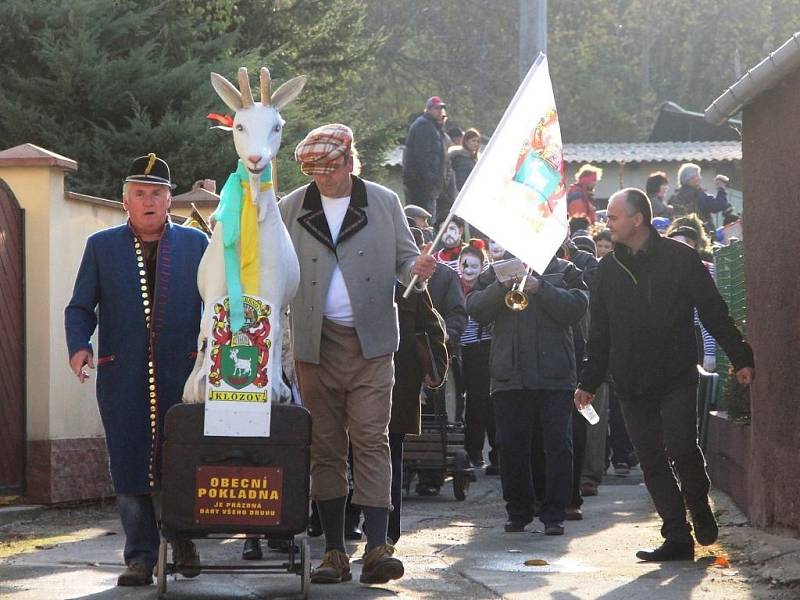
point(533, 377)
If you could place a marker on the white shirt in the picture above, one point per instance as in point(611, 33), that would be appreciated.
point(337, 301)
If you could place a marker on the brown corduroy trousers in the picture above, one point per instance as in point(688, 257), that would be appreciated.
point(350, 399)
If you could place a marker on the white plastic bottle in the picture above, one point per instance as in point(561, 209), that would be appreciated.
point(590, 414)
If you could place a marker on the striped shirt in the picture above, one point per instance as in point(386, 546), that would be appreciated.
point(709, 343)
point(474, 333)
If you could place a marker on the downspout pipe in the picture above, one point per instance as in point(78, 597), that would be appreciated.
point(758, 79)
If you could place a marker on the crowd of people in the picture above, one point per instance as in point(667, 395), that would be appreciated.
point(612, 321)
point(622, 316)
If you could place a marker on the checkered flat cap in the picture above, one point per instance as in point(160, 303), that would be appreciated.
point(318, 152)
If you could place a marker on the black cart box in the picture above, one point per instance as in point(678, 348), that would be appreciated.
point(229, 485)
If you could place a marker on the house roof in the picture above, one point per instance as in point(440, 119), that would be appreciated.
point(632, 152)
point(200, 197)
point(653, 152)
point(760, 78)
point(676, 124)
point(29, 155)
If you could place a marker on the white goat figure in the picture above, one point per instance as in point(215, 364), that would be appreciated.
point(241, 366)
point(257, 128)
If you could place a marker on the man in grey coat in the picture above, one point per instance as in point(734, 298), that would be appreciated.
point(353, 243)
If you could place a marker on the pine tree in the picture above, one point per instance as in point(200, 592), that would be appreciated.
point(103, 82)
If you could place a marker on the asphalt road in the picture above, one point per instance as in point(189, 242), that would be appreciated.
point(451, 550)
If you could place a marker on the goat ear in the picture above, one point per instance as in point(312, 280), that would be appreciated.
point(288, 92)
point(226, 90)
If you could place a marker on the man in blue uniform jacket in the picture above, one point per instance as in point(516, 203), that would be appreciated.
point(142, 279)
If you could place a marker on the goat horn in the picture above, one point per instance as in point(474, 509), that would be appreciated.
point(266, 86)
point(244, 88)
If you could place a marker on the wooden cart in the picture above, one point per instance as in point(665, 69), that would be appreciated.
point(220, 487)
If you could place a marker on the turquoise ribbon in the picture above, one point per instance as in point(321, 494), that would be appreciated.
point(229, 213)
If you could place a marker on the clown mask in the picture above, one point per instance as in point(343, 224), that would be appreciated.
point(470, 268)
point(496, 251)
point(451, 236)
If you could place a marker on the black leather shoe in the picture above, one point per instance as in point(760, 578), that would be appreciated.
point(252, 549)
point(669, 550)
point(186, 558)
point(353, 533)
point(492, 470)
point(514, 526)
point(427, 490)
point(554, 528)
point(706, 531)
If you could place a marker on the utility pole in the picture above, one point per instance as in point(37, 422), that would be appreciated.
point(532, 33)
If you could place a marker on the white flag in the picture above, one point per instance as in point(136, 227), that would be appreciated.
point(516, 194)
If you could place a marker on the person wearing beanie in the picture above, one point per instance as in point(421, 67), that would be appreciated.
point(353, 243)
point(456, 135)
point(657, 187)
point(585, 243)
point(661, 224)
point(704, 245)
point(691, 198)
point(580, 196)
point(687, 235)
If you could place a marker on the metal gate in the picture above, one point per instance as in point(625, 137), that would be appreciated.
point(12, 344)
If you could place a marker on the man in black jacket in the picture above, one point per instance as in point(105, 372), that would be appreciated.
point(532, 369)
point(425, 157)
point(642, 326)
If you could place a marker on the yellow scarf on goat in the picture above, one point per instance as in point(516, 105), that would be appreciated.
point(249, 255)
point(239, 218)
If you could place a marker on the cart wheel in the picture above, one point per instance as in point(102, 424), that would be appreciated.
point(460, 485)
point(305, 558)
point(161, 575)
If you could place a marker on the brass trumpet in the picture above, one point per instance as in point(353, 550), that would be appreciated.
point(516, 299)
point(197, 221)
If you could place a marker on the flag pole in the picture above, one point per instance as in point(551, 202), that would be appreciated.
point(540, 57)
point(435, 241)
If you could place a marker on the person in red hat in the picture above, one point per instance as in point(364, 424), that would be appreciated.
point(425, 156)
point(580, 196)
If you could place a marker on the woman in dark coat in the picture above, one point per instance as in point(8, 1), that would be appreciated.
point(416, 316)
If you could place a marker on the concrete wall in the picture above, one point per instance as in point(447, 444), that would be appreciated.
point(73, 410)
point(55, 234)
point(66, 457)
point(770, 150)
